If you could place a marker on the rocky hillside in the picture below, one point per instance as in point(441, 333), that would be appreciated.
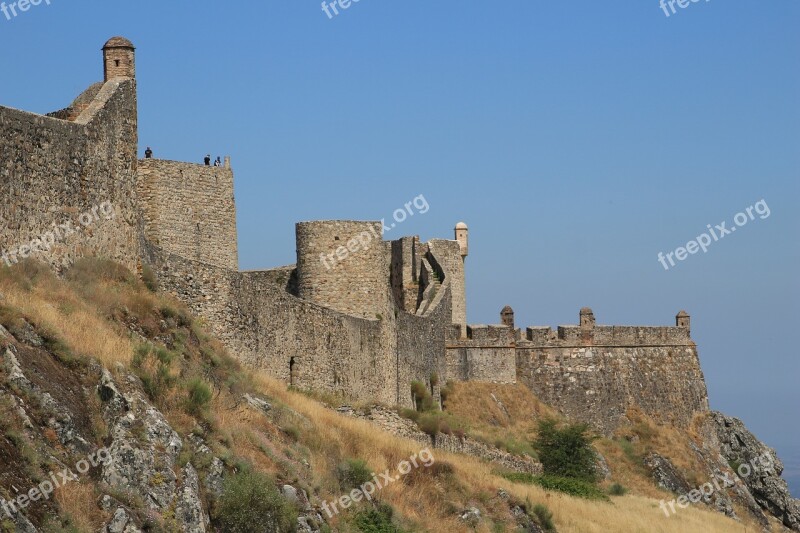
point(119, 414)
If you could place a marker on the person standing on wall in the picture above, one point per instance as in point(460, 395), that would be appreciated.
point(207, 160)
point(148, 154)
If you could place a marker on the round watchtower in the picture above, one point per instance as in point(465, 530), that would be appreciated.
point(462, 236)
point(507, 316)
point(341, 264)
point(119, 59)
point(683, 320)
point(587, 318)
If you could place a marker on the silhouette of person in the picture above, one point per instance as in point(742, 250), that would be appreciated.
point(207, 160)
point(148, 154)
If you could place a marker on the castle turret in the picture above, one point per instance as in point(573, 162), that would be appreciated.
point(119, 59)
point(462, 236)
point(683, 320)
point(507, 316)
point(587, 318)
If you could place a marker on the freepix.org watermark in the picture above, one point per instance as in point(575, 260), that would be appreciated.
point(332, 8)
point(714, 234)
point(379, 482)
point(763, 462)
point(59, 232)
point(364, 240)
point(668, 6)
point(13, 9)
point(44, 489)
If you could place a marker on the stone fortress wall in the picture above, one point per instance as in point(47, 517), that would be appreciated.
point(189, 210)
point(358, 317)
point(52, 171)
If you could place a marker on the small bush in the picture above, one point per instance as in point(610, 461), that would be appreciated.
point(199, 395)
point(574, 487)
point(419, 393)
point(430, 423)
point(249, 498)
point(566, 452)
point(617, 490)
point(446, 392)
point(376, 520)
point(149, 278)
point(353, 473)
point(544, 517)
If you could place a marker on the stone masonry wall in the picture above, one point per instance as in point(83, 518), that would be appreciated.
point(189, 210)
point(487, 354)
point(448, 256)
point(53, 171)
point(598, 384)
point(421, 345)
point(265, 327)
point(342, 264)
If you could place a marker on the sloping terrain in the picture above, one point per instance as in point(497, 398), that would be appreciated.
point(118, 413)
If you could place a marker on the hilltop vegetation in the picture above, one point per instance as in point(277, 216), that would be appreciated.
point(130, 370)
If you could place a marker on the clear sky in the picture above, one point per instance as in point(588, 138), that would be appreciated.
point(577, 139)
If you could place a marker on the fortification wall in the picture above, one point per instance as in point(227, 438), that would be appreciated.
point(575, 336)
point(53, 171)
point(597, 384)
point(342, 264)
point(421, 346)
point(405, 259)
point(296, 341)
point(486, 353)
point(189, 210)
point(448, 256)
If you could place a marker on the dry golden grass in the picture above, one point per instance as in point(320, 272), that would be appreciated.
point(425, 505)
point(79, 501)
point(301, 426)
point(57, 308)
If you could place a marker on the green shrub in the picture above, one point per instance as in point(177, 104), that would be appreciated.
point(430, 423)
point(574, 487)
point(421, 396)
point(352, 473)
point(446, 392)
point(149, 278)
point(376, 520)
point(249, 499)
point(544, 517)
point(617, 490)
point(199, 395)
point(566, 452)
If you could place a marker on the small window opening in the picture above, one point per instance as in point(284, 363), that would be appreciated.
point(116, 62)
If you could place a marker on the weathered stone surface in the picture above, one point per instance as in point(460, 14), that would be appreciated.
point(189, 509)
point(143, 450)
point(666, 475)
point(759, 467)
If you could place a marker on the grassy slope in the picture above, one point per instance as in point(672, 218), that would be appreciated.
point(301, 441)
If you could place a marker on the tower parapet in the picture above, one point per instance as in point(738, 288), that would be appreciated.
point(462, 236)
point(507, 317)
point(683, 320)
point(119, 59)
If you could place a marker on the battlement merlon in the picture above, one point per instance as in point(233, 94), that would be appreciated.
point(587, 333)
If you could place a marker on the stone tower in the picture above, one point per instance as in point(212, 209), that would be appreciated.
point(507, 316)
point(119, 59)
point(462, 236)
point(587, 318)
point(342, 265)
point(683, 320)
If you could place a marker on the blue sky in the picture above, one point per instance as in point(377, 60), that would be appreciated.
point(576, 139)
